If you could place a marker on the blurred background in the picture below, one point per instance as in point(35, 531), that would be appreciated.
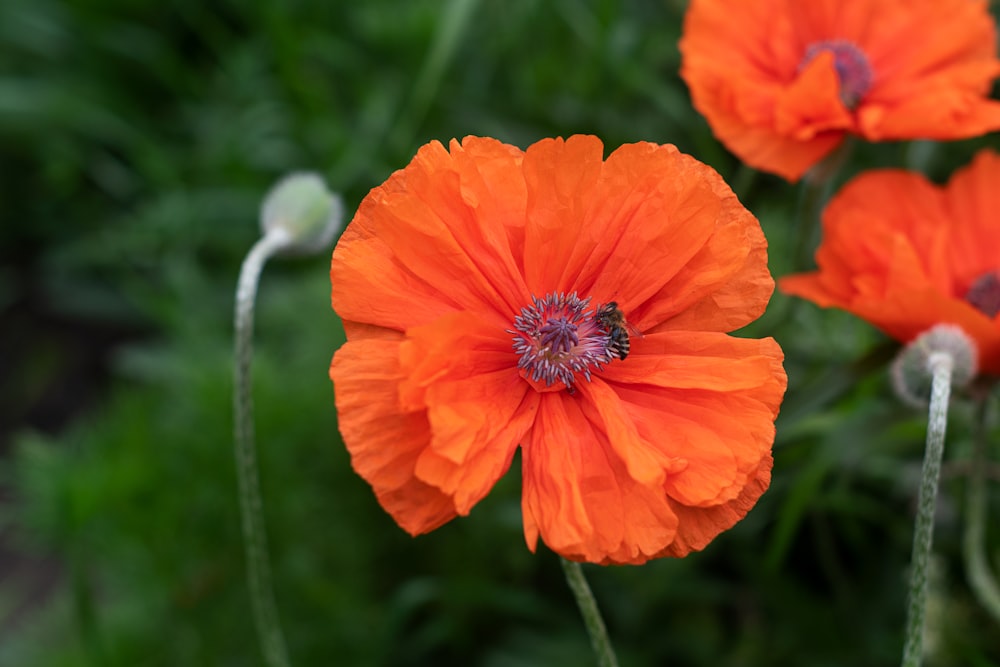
point(136, 142)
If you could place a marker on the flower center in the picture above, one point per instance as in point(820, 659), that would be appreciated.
point(558, 337)
point(984, 295)
point(851, 63)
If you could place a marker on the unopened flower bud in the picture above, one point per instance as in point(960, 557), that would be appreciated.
point(912, 370)
point(301, 209)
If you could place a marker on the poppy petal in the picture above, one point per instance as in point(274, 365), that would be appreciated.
point(704, 410)
point(780, 83)
point(467, 249)
point(699, 360)
point(901, 252)
point(724, 286)
point(579, 497)
point(385, 442)
point(436, 237)
point(561, 176)
point(663, 206)
point(973, 200)
point(700, 525)
point(586, 225)
point(479, 408)
point(812, 104)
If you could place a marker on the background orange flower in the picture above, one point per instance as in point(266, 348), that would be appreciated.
point(468, 284)
point(782, 82)
point(905, 254)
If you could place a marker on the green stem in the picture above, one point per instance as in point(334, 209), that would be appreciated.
point(812, 196)
point(591, 614)
point(977, 565)
point(940, 365)
point(272, 640)
point(86, 614)
point(816, 188)
point(455, 18)
point(919, 154)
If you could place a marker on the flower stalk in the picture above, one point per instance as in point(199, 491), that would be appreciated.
point(272, 639)
point(585, 600)
point(940, 366)
point(814, 194)
point(299, 215)
point(977, 566)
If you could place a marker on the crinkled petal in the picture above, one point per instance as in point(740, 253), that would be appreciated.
point(644, 462)
point(703, 405)
point(705, 450)
point(561, 178)
point(697, 526)
point(461, 371)
point(438, 236)
point(384, 441)
point(441, 259)
point(698, 360)
point(579, 497)
point(614, 229)
point(724, 286)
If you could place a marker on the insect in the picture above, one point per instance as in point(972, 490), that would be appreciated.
point(610, 318)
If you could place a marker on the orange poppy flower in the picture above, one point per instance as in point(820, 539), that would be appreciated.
point(905, 254)
point(782, 82)
point(480, 289)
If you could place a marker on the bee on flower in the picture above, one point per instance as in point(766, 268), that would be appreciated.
point(471, 287)
point(610, 318)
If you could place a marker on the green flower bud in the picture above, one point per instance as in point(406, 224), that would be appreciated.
point(300, 209)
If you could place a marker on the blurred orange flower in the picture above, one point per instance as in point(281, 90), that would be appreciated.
point(905, 254)
point(782, 82)
point(470, 284)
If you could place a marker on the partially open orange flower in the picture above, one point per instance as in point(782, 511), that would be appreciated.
point(479, 289)
point(905, 254)
point(782, 82)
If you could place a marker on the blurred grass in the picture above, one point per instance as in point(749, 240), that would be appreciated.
point(137, 142)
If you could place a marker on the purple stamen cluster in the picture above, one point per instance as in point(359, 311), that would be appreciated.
point(558, 337)
point(851, 63)
point(984, 295)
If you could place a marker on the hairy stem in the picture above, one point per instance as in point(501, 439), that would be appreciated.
point(977, 565)
point(940, 365)
point(272, 640)
point(591, 614)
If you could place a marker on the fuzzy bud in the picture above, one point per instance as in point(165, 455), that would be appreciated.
point(300, 209)
point(912, 370)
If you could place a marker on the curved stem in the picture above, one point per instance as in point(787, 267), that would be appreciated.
point(591, 614)
point(977, 565)
point(272, 640)
point(940, 365)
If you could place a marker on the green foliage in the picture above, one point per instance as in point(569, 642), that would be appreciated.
point(138, 141)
